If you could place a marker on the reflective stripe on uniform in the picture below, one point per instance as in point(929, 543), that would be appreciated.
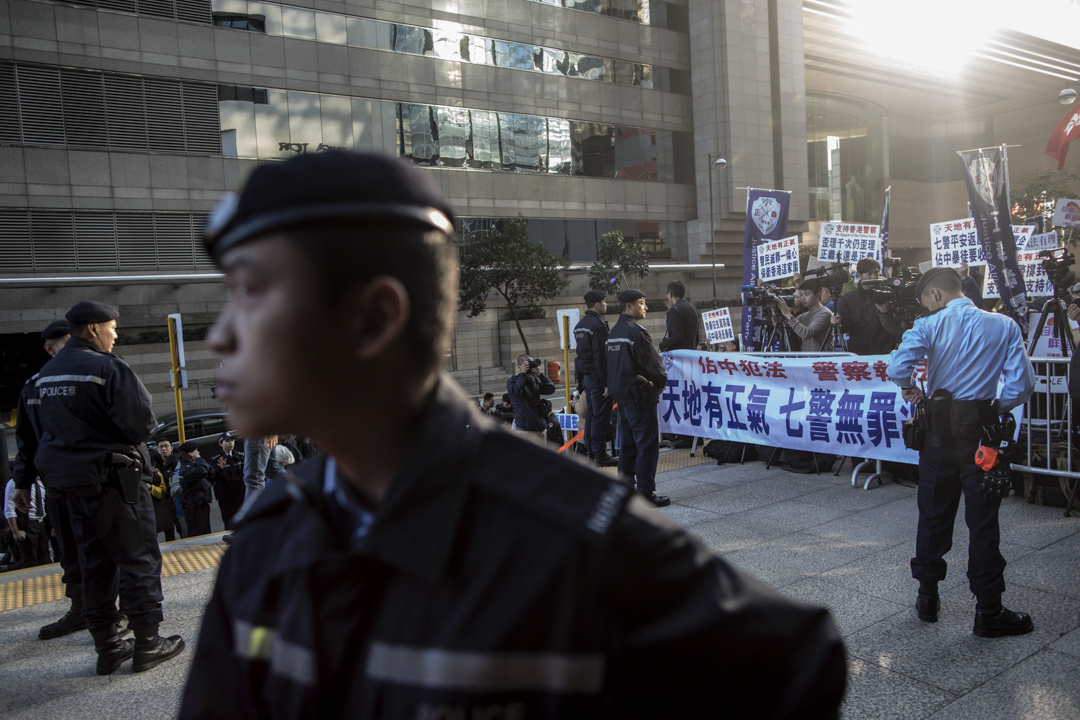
point(619, 340)
point(262, 644)
point(33, 401)
point(486, 672)
point(70, 378)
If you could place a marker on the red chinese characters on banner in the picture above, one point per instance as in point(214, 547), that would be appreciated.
point(881, 370)
point(856, 371)
point(774, 370)
point(749, 368)
point(826, 371)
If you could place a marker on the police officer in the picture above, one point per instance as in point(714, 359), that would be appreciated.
point(89, 418)
point(636, 378)
point(195, 474)
point(228, 478)
point(683, 321)
point(432, 565)
point(590, 365)
point(967, 351)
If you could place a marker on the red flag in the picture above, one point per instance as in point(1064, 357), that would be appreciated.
point(1066, 131)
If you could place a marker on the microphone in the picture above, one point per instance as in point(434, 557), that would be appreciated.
point(747, 288)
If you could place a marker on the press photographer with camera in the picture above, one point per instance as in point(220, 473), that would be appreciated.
point(526, 389)
point(967, 350)
point(858, 316)
point(814, 324)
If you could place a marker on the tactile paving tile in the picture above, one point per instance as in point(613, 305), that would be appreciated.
point(46, 588)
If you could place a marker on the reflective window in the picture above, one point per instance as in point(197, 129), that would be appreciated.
point(449, 44)
point(267, 124)
point(647, 12)
point(576, 240)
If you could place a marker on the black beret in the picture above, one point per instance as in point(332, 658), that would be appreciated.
point(631, 295)
point(91, 311)
point(188, 446)
point(867, 264)
point(594, 296)
point(931, 274)
point(56, 329)
point(323, 186)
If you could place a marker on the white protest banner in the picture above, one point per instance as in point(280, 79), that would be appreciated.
point(718, 326)
point(838, 405)
point(1034, 243)
point(778, 259)
point(955, 242)
point(1067, 213)
point(841, 242)
point(1047, 345)
point(1035, 278)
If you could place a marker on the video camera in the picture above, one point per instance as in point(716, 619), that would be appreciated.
point(899, 290)
point(831, 278)
point(1057, 268)
point(764, 296)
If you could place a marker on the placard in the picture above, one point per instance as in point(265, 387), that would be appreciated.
point(1035, 278)
point(1047, 345)
point(955, 242)
point(1067, 213)
point(718, 327)
point(575, 317)
point(778, 259)
point(841, 242)
point(1034, 243)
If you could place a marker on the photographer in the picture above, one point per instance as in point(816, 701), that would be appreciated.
point(813, 325)
point(858, 317)
point(526, 389)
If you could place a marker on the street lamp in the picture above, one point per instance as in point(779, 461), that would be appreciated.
point(1067, 96)
point(718, 163)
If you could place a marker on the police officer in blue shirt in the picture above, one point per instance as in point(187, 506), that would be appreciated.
point(590, 336)
point(88, 420)
point(636, 378)
point(967, 351)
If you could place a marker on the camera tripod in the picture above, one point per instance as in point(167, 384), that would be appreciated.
point(1056, 307)
point(775, 331)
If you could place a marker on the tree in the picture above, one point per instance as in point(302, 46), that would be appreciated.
point(615, 259)
point(1037, 195)
point(522, 272)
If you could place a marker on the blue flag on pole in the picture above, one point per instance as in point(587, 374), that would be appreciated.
point(766, 220)
point(885, 226)
point(984, 174)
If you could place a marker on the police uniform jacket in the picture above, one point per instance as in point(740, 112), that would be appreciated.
point(194, 481)
point(590, 335)
point(83, 405)
point(232, 473)
point(497, 580)
point(683, 320)
point(635, 373)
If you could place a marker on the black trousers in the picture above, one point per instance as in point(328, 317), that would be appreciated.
point(34, 549)
point(230, 497)
point(198, 518)
point(57, 508)
point(114, 537)
point(640, 451)
point(597, 415)
point(944, 473)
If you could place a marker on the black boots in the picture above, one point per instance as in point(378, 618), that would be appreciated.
point(657, 500)
point(602, 459)
point(71, 622)
point(151, 649)
point(928, 603)
point(111, 650)
point(992, 619)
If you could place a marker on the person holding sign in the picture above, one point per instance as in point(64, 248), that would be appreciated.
point(814, 324)
point(967, 350)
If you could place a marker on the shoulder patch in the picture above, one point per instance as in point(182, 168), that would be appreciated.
point(557, 489)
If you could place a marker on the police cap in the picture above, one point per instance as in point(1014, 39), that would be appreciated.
point(88, 312)
point(932, 273)
point(631, 295)
point(594, 296)
point(223, 437)
point(188, 446)
point(326, 186)
point(56, 329)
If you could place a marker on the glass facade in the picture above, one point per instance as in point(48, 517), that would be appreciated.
point(647, 12)
point(268, 124)
point(925, 151)
point(444, 43)
point(576, 240)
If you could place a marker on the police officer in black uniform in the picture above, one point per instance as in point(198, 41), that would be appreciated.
point(228, 478)
point(89, 418)
point(636, 378)
point(590, 365)
point(195, 474)
point(968, 353)
point(432, 565)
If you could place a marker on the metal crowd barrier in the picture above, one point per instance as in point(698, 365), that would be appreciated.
point(1048, 417)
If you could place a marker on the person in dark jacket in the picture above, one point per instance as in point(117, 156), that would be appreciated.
point(432, 565)
point(858, 316)
point(636, 378)
point(84, 429)
point(590, 365)
point(228, 478)
point(195, 474)
point(526, 389)
point(972, 287)
point(683, 321)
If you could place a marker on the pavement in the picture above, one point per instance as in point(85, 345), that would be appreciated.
point(815, 538)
